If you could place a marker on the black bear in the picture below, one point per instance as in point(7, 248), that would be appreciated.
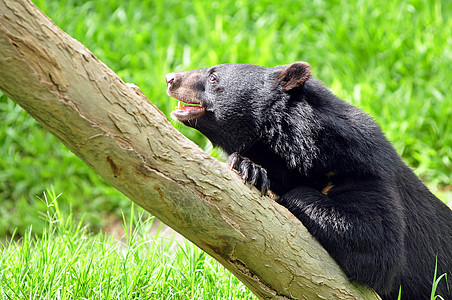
point(331, 166)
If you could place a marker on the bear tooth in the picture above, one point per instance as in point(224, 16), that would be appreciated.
point(179, 106)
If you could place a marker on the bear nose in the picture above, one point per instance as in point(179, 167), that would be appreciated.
point(170, 78)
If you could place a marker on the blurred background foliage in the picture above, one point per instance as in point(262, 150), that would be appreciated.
point(392, 59)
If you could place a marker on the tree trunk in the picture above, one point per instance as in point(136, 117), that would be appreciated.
point(129, 142)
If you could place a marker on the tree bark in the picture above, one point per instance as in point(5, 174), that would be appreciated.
point(129, 142)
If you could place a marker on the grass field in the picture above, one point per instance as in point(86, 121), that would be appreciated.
point(67, 262)
point(392, 59)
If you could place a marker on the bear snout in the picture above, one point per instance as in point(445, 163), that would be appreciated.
point(170, 78)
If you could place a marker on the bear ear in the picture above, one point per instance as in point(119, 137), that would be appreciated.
point(294, 75)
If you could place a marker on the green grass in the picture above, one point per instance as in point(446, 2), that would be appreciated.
point(436, 280)
point(67, 262)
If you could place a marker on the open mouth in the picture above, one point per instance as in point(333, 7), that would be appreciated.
point(188, 112)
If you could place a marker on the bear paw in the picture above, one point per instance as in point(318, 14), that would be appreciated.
point(250, 172)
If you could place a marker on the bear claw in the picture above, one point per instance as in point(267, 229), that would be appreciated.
point(250, 172)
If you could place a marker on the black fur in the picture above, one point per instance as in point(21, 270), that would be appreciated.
point(331, 166)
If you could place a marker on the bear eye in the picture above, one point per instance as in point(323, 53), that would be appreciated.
point(213, 78)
